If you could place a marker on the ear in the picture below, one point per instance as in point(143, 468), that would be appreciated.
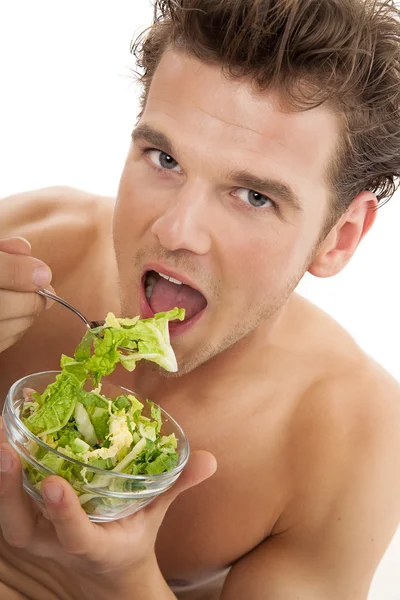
point(341, 242)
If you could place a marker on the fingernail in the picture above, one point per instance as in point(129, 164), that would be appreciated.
point(41, 276)
point(6, 461)
point(53, 492)
point(19, 237)
point(49, 303)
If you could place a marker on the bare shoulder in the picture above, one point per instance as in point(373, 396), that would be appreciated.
point(25, 209)
point(343, 448)
point(342, 463)
point(351, 406)
point(342, 504)
point(357, 408)
point(60, 222)
point(354, 396)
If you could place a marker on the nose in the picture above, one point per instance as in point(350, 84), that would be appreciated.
point(185, 225)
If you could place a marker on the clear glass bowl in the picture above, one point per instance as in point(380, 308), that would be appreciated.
point(109, 495)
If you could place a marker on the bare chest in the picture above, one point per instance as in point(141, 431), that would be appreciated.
point(211, 526)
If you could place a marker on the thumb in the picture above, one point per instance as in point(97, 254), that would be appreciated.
point(201, 465)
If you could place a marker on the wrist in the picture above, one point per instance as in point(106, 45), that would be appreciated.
point(143, 581)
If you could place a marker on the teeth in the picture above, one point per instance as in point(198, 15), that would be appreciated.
point(149, 290)
point(170, 278)
point(175, 281)
point(151, 281)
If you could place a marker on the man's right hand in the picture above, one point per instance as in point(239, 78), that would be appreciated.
point(20, 276)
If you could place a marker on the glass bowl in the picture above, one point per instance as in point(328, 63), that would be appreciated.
point(109, 495)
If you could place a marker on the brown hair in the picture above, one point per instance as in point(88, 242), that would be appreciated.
point(342, 52)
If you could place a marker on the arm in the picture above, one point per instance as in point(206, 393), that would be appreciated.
point(64, 228)
point(339, 522)
point(339, 564)
point(281, 569)
point(145, 582)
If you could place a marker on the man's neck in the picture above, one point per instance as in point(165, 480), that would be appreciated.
point(242, 358)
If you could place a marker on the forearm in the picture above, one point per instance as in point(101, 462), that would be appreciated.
point(22, 579)
point(144, 583)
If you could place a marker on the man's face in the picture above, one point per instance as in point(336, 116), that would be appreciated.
point(222, 191)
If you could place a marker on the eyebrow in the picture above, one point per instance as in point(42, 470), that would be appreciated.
point(265, 186)
point(153, 137)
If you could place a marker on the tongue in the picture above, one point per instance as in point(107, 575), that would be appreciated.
point(167, 295)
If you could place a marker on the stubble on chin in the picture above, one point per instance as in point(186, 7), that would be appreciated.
point(253, 317)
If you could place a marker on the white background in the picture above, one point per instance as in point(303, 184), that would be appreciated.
point(68, 104)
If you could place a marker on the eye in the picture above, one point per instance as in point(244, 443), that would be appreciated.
point(163, 160)
point(253, 198)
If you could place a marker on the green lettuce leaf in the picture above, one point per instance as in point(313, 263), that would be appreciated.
point(59, 401)
point(74, 367)
point(155, 414)
point(93, 399)
point(84, 424)
point(67, 439)
point(99, 418)
point(151, 337)
point(163, 462)
point(82, 352)
point(121, 402)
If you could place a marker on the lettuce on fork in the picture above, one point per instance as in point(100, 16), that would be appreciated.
point(111, 434)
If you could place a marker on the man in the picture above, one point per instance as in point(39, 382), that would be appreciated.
point(235, 190)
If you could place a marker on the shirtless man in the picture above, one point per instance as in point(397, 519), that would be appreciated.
point(235, 192)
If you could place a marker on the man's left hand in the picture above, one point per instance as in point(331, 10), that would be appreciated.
point(65, 533)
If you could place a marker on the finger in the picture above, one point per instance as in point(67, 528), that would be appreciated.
point(16, 245)
point(10, 341)
point(14, 305)
point(17, 520)
point(14, 327)
point(201, 466)
point(3, 438)
point(23, 273)
point(76, 534)
point(48, 301)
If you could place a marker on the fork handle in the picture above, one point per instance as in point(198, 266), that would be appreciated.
point(52, 296)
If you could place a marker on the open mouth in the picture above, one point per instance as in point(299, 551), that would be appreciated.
point(162, 292)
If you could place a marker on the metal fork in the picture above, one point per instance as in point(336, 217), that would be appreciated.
point(89, 324)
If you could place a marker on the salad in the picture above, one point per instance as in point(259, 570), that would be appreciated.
point(76, 420)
